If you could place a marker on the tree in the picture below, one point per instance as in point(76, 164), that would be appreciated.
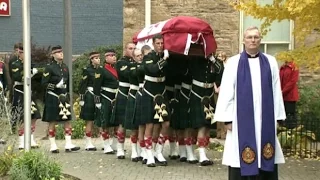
point(306, 17)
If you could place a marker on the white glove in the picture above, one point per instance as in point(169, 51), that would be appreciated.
point(98, 105)
point(60, 84)
point(81, 103)
point(165, 54)
point(1, 85)
point(34, 71)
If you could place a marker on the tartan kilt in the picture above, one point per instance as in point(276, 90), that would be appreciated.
point(103, 116)
point(88, 109)
point(138, 110)
point(147, 106)
point(17, 112)
point(197, 114)
point(118, 116)
point(174, 110)
point(51, 109)
point(130, 111)
point(184, 107)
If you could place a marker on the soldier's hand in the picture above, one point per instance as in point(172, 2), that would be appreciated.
point(34, 71)
point(228, 126)
point(60, 84)
point(98, 105)
point(166, 54)
point(81, 103)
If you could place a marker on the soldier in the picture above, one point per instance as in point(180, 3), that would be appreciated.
point(153, 102)
point(14, 56)
point(87, 97)
point(3, 86)
point(204, 73)
point(123, 69)
point(145, 50)
point(56, 105)
point(17, 104)
point(105, 88)
point(130, 109)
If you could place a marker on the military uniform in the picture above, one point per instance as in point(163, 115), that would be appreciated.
point(130, 108)
point(3, 78)
point(138, 110)
point(123, 70)
point(56, 106)
point(86, 93)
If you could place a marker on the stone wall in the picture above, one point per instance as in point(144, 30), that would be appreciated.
point(222, 18)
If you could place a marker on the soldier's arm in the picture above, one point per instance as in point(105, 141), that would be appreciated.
point(97, 85)
point(218, 68)
point(17, 72)
point(123, 68)
point(46, 76)
point(151, 66)
point(133, 70)
point(83, 83)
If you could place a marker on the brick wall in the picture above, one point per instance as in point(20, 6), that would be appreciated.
point(222, 18)
point(95, 23)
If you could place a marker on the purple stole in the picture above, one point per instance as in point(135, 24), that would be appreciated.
point(245, 115)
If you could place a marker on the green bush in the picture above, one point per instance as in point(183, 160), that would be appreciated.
point(78, 130)
point(34, 165)
point(83, 61)
point(6, 159)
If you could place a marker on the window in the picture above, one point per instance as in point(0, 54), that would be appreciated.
point(279, 38)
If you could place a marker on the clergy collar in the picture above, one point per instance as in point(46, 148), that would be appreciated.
point(253, 55)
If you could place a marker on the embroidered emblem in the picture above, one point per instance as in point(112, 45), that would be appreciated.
point(84, 77)
point(148, 62)
point(123, 68)
point(45, 74)
point(15, 70)
point(268, 151)
point(97, 75)
point(248, 155)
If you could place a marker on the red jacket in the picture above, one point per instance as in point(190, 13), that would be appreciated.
point(289, 76)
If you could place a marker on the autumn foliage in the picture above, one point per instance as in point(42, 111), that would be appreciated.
point(306, 17)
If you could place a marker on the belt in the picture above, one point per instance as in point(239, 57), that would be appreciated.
point(16, 83)
point(169, 88)
point(200, 97)
point(109, 89)
point(134, 97)
point(56, 95)
point(186, 86)
point(124, 84)
point(141, 85)
point(202, 84)
point(18, 90)
point(107, 98)
point(90, 90)
point(177, 86)
point(150, 94)
point(134, 87)
point(154, 79)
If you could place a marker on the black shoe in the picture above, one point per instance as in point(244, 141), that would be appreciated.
point(174, 157)
point(156, 160)
point(34, 147)
point(144, 161)
point(91, 149)
point(183, 159)
point(140, 158)
point(73, 149)
point(151, 165)
point(193, 162)
point(135, 159)
point(121, 157)
point(55, 151)
point(162, 163)
point(206, 163)
point(111, 152)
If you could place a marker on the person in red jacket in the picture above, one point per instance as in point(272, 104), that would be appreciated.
point(289, 76)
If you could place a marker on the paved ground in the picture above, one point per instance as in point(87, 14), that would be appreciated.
point(96, 166)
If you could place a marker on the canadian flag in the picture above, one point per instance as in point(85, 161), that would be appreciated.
point(5, 8)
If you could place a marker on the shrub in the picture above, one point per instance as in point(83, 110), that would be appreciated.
point(6, 159)
point(83, 61)
point(34, 165)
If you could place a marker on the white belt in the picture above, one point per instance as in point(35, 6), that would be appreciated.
point(134, 97)
point(177, 86)
point(154, 79)
point(90, 88)
point(109, 90)
point(18, 90)
point(169, 88)
point(134, 87)
point(186, 86)
point(202, 84)
point(16, 83)
point(141, 85)
point(124, 84)
point(56, 95)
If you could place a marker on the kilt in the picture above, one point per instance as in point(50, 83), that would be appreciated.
point(88, 109)
point(138, 110)
point(147, 106)
point(174, 110)
point(118, 116)
point(51, 107)
point(17, 112)
point(102, 117)
point(197, 114)
point(184, 114)
point(130, 111)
